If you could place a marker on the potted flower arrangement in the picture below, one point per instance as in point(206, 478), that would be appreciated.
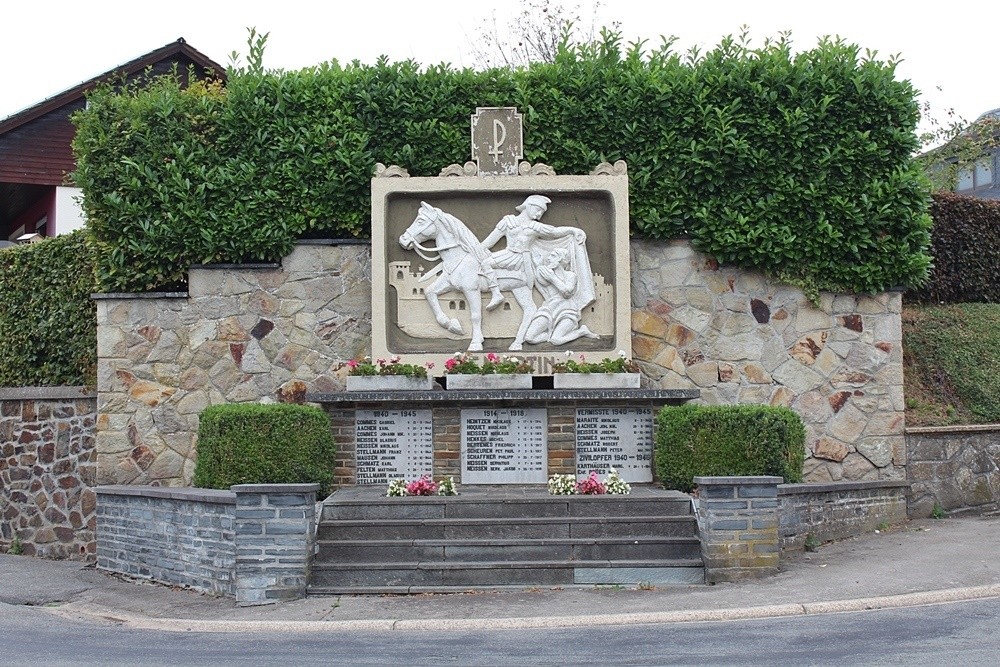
point(463, 371)
point(425, 486)
point(391, 375)
point(591, 485)
point(620, 373)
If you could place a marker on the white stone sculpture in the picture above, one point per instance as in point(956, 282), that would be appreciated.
point(557, 320)
point(537, 254)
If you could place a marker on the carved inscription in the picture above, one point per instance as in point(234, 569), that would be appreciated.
point(392, 444)
point(504, 446)
point(619, 438)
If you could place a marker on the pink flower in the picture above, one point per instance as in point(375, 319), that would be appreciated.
point(492, 357)
point(353, 363)
point(422, 487)
point(394, 359)
point(430, 364)
point(591, 485)
point(381, 362)
point(450, 363)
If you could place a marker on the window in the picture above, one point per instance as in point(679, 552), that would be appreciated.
point(976, 177)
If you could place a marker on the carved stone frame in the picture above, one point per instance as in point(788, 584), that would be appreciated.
point(608, 183)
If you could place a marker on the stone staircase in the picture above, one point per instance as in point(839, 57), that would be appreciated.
point(495, 538)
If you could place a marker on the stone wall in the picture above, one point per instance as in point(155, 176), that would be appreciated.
point(253, 542)
point(275, 332)
point(182, 537)
point(240, 334)
point(956, 468)
point(47, 465)
point(741, 338)
point(838, 510)
point(738, 527)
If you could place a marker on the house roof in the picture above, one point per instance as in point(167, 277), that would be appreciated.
point(179, 48)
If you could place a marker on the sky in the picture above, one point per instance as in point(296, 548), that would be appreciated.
point(47, 46)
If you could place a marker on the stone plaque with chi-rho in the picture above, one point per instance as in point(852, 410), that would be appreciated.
point(504, 446)
point(497, 140)
point(390, 444)
point(619, 438)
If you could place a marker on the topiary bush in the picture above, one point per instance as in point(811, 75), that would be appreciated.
point(795, 164)
point(724, 440)
point(249, 443)
point(48, 322)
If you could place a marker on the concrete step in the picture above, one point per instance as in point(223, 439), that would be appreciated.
point(460, 507)
point(348, 576)
point(631, 548)
point(510, 528)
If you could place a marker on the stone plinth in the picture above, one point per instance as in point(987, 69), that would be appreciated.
point(446, 408)
point(738, 524)
point(274, 537)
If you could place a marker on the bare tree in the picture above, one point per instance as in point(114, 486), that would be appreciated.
point(535, 34)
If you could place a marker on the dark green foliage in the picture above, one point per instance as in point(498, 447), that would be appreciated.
point(249, 443)
point(48, 323)
point(795, 165)
point(965, 245)
point(724, 440)
point(952, 358)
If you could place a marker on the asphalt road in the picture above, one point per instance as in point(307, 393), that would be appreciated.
point(952, 634)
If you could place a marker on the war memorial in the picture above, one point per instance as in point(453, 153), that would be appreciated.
point(492, 259)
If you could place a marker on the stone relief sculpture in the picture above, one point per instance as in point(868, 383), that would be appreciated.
point(557, 320)
point(537, 255)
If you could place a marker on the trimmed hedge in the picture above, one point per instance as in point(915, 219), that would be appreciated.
point(723, 440)
point(965, 245)
point(48, 322)
point(798, 165)
point(249, 443)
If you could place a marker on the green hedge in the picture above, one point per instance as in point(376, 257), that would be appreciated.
point(249, 443)
point(965, 245)
point(48, 323)
point(725, 440)
point(798, 165)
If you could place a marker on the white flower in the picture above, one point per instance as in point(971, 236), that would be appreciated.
point(621, 353)
point(395, 359)
point(569, 353)
point(514, 360)
point(458, 355)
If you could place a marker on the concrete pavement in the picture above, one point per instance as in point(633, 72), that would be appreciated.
point(920, 562)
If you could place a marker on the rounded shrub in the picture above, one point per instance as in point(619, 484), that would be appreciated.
point(249, 443)
point(727, 440)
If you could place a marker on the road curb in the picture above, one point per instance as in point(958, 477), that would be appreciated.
point(688, 616)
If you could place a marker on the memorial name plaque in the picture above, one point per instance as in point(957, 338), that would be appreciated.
point(504, 446)
point(393, 443)
point(619, 438)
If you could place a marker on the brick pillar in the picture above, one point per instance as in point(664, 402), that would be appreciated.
point(738, 525)
point(275, 528)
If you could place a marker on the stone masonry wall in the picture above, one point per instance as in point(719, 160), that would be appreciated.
point(838, 510)
point(956, 468)
point(241, 334)
point(273, 333)
point(741, 338)
point(182, 537)
point(47, 466)
point(254, 542)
